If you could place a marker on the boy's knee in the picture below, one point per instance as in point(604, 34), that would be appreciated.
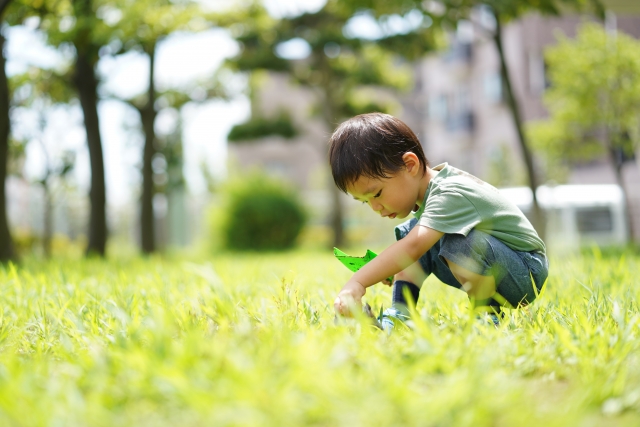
point(472, 252)
point(475, 285)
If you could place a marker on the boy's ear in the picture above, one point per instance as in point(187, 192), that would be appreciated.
point(411, 162)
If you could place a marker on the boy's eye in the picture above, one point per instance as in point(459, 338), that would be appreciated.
point(378, 195)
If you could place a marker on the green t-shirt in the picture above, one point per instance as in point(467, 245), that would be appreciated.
point(457, 202)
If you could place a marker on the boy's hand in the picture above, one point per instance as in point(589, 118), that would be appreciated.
point(350, 296)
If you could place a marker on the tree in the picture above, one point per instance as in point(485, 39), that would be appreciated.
point(144, 24)
point(339, 67)
point(75, 24)
point(12, 12)
point(593, 101)
point(6, 242)
point(87, 42)
point(40, 90)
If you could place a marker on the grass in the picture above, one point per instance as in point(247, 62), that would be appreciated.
point(250, 340)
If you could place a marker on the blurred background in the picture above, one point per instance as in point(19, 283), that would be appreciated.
point(156, 125)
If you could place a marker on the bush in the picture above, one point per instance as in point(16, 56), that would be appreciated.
point(261, 127)
point(261, 214)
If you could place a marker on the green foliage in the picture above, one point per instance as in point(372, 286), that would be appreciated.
point(75, 22)
point(594, 98)
point(42, 85)
point(248, 340)
point(14, 12)
point(261, 214)
point(40, 89)
point(507, 10)
point(368, 101)
point(338, 65)
point(145, 23)
point(261, 127)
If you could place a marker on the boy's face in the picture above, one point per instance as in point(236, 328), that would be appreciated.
point(394, 197)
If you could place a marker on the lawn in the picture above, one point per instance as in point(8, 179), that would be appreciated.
point(250, 340)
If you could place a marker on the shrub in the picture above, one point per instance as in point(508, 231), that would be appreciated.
point(261, 214)
point(261, 127)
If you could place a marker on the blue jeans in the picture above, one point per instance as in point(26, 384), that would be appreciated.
point(484, 254)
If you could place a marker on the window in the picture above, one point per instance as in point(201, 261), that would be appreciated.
point(461, 47)
point(463, 99)
point(454, 109)
point(536, 73)
point(459, 52)
point(438, 107)
point(462, 121)
point(460, 117)
point(596, 219)
point(493, 87)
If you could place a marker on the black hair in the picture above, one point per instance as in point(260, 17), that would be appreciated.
point(371, 145)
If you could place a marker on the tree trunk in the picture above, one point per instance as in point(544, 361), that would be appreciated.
point(46, 189)
point(87, 84)
point(329, 111)
point(6, 242)
point(617, 164)
point(538, 217)
point(148, 117)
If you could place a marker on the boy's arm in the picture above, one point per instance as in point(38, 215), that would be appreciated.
point(392, 260)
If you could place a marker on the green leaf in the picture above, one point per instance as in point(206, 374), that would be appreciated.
point(355, 263)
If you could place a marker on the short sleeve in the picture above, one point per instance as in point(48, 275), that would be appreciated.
point(450, 212)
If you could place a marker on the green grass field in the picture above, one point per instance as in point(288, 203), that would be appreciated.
point(250, 341)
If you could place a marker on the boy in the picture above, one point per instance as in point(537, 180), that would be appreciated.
point(464, 231)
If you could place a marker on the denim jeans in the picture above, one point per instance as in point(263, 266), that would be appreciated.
point(515, 272)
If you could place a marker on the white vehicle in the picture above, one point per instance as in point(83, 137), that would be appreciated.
point(577, 215)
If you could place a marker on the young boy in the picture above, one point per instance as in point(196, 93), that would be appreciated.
point(464, 230)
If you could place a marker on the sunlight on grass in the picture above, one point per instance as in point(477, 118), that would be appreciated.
point(250, 340)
